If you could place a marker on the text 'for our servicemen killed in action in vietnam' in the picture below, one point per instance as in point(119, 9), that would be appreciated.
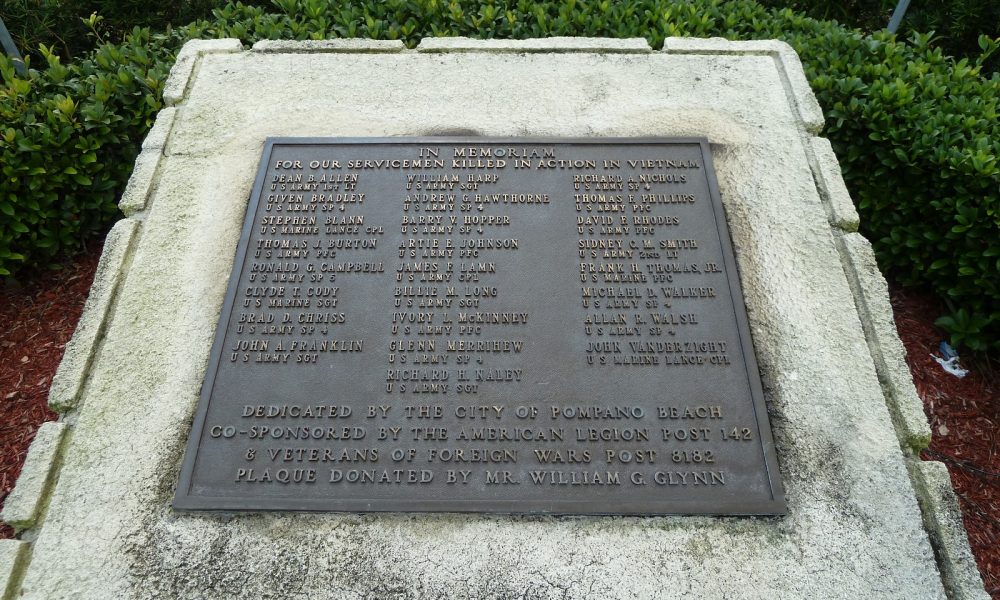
point(483, 325)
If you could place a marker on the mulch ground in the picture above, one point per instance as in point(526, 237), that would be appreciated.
point(37, 320)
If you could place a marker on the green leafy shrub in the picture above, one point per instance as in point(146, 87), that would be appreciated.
point(916, 132)
point(920, 140)
point(68, 137)
point(59, 24)
point(31, 23)
point(957, 24)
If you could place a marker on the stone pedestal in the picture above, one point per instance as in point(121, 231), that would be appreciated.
point(865, 516)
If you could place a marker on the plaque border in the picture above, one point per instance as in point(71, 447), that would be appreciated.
point(776, 506)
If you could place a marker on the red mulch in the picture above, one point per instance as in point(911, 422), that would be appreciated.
point(965, 420)
point(37, 321)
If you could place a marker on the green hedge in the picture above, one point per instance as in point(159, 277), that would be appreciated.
point(917, 132)
point(67, 139)
point(63, 26)
point(69, 135)
point(957, 24)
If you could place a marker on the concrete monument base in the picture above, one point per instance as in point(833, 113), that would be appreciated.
point(866, 518)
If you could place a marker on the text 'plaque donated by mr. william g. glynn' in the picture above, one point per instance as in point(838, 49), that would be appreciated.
point(483, 325)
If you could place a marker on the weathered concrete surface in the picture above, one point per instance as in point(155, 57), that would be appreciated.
point(144, 172)
point(553, 44)
point(74, 370)
point(958, 567)
point(786, 64)
point(890, 357)
point(184, 65)
point(830, 183)
point(340, 45)
point(23, 505)
point(854, 528)
point(11, 558)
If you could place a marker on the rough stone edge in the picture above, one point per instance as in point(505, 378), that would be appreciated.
point(156, 139)
point(939, 509)
point(23, 506)
point(552, 44)
point(830, 182)
point(140, 183)
point(872, 298)
point(362, 45)
point(12, 557)
point(943, 522)
point(794, 77)
point(70, 377)
point(175, 89)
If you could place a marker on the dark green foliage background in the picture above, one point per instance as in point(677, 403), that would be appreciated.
point(68, 137)
point(957, 24)
point(917, 133)
point(57, 23)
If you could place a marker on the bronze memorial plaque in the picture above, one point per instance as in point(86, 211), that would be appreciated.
point(469, 324)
